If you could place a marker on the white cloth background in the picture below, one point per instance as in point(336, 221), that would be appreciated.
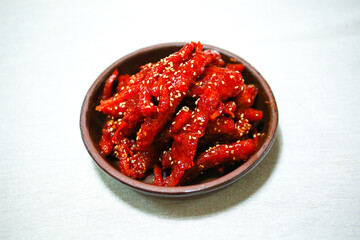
point(306, 188)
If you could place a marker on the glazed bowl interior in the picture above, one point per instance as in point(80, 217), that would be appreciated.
point(92, 122)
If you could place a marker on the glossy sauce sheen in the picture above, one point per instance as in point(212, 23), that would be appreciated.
point(178, 117)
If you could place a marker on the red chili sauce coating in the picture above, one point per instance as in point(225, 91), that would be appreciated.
point(185, 114)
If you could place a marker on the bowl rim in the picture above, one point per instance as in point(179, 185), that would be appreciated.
point(191, 190)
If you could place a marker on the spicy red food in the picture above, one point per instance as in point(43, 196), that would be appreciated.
point(178, 117)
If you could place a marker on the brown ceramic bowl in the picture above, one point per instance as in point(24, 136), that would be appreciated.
point(91, 123)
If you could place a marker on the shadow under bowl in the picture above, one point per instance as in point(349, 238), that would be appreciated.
point(92, 122)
